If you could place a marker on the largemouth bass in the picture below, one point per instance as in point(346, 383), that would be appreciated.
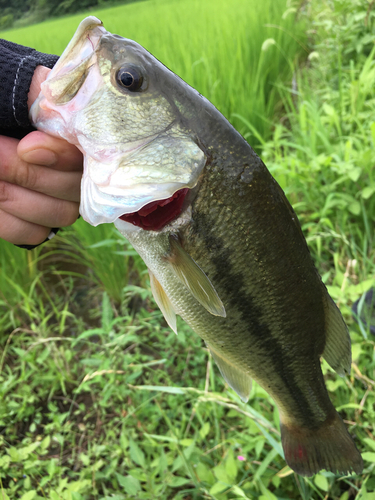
point(223, 245)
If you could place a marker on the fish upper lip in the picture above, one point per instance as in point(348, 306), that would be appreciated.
point(86, 27)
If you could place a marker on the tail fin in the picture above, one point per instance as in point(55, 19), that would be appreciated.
point(330, 447)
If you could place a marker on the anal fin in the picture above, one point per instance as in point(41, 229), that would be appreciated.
point(194, 278)
point(238, 380)
point(162, 300)
point(337, 350)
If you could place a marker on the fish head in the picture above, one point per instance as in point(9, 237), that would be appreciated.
point(123, 109)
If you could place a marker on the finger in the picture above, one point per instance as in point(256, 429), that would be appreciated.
point(55, 183)
point(21, 232)
point(36, 207)
point(43, 149)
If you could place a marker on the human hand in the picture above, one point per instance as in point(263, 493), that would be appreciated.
point(39, 182)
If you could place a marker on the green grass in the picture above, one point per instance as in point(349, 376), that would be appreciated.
point(216, 46)
point(99, 399)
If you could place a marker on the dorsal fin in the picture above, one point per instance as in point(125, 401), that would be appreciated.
point(195, 280)
point(238, 380)
point(337, 350)
point(162, 300)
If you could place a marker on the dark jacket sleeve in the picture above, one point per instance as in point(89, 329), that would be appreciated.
point(17, 66)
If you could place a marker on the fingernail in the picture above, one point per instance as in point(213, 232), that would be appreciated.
point(44, 157)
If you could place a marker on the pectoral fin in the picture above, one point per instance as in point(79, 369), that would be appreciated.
point(162, 300)
point(192, 276)
point(337, 350)
point(238, 380)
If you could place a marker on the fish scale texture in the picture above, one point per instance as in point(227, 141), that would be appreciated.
point(258, 286)
point(17, 66)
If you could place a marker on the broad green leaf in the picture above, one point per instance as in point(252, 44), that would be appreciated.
point(259, 446)
point(4, 461)
point(369, 456)
point(186, 442)
point(45, 443)
point(139, 474)
point(167, 439)
point(130, 484)
point(355, 207)
point(221, 473)
point(370, 442)
point(321, 482)
point(84, 459)
point(14, 454)
point(82, 485)
point(356, 352)
point(29, 495)
point(98, 465)
point(124, 442)
point(367, 192)
point(332, 385)
point(180, 461)
point(204, 430)
point(329, 110)
point(137, 454)
point(218, 487)
point(354, 173)
point(178, 481)
point(77, 496)
point(231, 466)
point(160, 463)
point(268, 496)
point(236, 490)
point(204, 473)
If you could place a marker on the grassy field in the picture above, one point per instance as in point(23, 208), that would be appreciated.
point(98, 398)
point(217, 47)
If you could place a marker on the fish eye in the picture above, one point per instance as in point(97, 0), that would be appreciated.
point(130, 77)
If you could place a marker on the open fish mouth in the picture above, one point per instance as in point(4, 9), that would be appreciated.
point(157, 214)
point(131, 188)
point(147, 206)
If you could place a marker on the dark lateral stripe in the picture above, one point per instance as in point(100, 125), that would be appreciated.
point(242, 301)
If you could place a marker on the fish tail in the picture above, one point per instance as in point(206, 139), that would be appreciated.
point(329, 447)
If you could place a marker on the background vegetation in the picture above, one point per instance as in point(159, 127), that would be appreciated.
point(24, 12)
point(99, 399)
